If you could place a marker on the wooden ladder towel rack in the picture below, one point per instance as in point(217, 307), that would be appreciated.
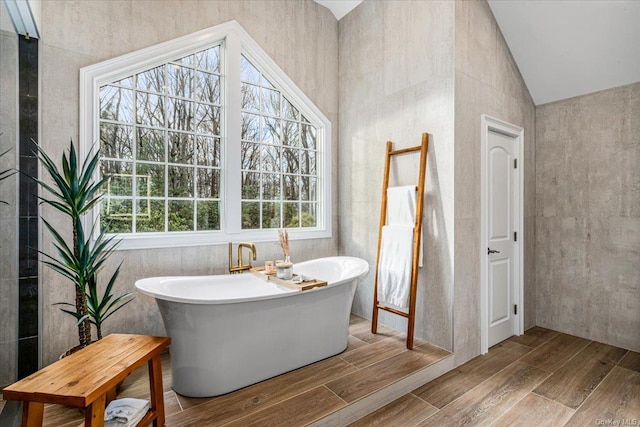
point(417, 233)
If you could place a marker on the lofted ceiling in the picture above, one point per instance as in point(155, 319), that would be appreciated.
point(563, 48)
point(571, 48)
point(339, 8)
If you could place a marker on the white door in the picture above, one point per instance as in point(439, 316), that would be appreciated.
point(500, 232)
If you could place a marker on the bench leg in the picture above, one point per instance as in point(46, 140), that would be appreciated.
point(32, 414)
point(111, 396)
point(157, 392)
point(94, 413)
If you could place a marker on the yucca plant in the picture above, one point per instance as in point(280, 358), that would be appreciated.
point(75, 193)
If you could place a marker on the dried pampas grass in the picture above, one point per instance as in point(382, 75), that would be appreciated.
point(284, 241)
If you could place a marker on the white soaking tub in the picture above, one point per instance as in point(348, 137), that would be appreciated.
point(230, 331)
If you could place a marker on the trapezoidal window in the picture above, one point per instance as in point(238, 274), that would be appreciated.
point(204, 139)
point(279, 151)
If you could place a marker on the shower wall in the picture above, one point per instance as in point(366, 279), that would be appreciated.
point(8, 212)
point(588, 216)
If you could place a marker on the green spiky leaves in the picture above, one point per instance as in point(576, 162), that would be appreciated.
point(74, 193)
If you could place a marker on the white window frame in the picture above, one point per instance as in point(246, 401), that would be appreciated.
point(235, 42)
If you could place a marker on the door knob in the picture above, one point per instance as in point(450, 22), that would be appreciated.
point(491, 251)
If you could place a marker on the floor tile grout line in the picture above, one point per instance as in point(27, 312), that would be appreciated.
point(400, 379)
point(623, 356)
point(339, 356)
point(537, 367)
point(332, 412)
point(429, 416)
point(496, 373)
point(487, 379)
point(364, 343)
point(626, 369)
point(423, 400)
point(596, 387)
point(336, 394)
point(367, 344)
point(415, 395)
point(348, 363)
point(567, 361)
point(267, 405)
point(521, 399)
point(191, 407)
point(425, 418)
point(370, 394)
point(523, 345)
point(554, 401)
point(553, 335)
point(248, 416)
point(477, 385)
point(575, 354)
point(375, 361)
point(384, 338)
point(178, 400)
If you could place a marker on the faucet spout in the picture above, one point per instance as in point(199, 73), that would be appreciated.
point(249, 246)
point(240, 267)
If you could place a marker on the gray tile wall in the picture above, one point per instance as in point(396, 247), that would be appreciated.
point(28, 312)
point(396, 82)
point(8, 212)
point(487, 81)
point(300, 36)
point(588, 216)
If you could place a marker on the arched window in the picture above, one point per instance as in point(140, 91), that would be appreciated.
point(204, 137)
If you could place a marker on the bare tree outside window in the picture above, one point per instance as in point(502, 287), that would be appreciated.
point(160, 144)
point(279, 175)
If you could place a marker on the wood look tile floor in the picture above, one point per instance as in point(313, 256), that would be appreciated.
point(542, 378)
point(370, 363)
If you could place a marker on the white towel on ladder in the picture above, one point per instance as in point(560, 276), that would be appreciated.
point(401, 205)
point(394, 271)
point(401, 210)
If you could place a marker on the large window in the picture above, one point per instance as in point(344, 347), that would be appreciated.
point(160, 146)
point(206, 140)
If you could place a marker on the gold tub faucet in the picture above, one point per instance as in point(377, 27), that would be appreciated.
point(240, 267)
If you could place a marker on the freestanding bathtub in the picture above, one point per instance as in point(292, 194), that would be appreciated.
point(230, 331)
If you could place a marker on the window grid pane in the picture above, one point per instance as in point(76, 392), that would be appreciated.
point(279, 154)
point(160, 144)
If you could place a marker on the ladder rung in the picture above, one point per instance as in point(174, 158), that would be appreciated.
point(405, 150)
point(393, 310)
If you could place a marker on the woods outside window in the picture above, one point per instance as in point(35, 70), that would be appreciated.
point(206, 140)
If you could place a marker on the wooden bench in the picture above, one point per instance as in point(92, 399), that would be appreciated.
point(88, 378)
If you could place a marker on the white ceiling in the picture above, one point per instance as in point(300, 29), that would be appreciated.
point(563, 48)
point(339, 7)
point(571, 48)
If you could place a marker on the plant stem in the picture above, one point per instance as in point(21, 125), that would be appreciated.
point(84, 327)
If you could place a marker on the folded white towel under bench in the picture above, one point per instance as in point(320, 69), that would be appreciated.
point(125, 412)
